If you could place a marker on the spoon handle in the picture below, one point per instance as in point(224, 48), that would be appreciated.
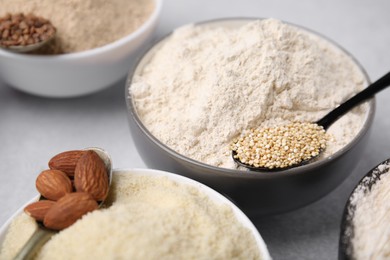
point(36, 241)
point(367, 93)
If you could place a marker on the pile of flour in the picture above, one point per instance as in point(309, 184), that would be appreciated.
point(371, 217)
point(150, 218)
point(206, 85)
point(85, 24)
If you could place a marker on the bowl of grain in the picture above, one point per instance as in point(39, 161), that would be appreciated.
point(88, 54)
point(149, 214)
point(218, 78)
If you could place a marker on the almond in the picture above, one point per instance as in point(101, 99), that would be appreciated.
point(53, 184)
point(38, 209)
point(68, 210)
point(91, 176)
point(66, 161)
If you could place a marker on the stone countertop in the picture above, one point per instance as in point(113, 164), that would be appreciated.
point(33, 129)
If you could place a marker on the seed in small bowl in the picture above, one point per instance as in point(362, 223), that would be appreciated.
point(21, 30)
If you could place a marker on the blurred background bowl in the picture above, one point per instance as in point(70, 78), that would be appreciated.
point(357, 196)
point(256, 193)
point(80, 73)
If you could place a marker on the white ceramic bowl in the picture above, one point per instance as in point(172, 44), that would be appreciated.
point(212, 194)
point(76, 74)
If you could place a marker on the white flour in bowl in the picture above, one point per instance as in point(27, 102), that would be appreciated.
point(207, 85)
point(151, 217)
point(85, 24)
point(370, 229)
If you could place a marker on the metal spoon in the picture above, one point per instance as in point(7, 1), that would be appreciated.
point(30, 47)
point(330, 118)
point(43, 234)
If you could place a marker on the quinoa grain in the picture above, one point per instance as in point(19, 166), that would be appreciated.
point(280, 146)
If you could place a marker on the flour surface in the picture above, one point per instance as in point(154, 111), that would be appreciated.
point(207, 85)
point(147, 217)
point(371, 217)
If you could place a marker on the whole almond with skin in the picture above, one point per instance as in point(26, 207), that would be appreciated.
point(53, 184)
point(38, 209)
point(68, 210)
point(91, 176)
point(66, 161)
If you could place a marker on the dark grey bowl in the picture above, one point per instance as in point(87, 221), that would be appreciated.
point(256, 193)
point(347, 229)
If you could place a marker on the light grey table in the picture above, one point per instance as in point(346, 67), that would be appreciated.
point(32, 129)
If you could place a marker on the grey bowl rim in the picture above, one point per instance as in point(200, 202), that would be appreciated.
point(236, 173)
